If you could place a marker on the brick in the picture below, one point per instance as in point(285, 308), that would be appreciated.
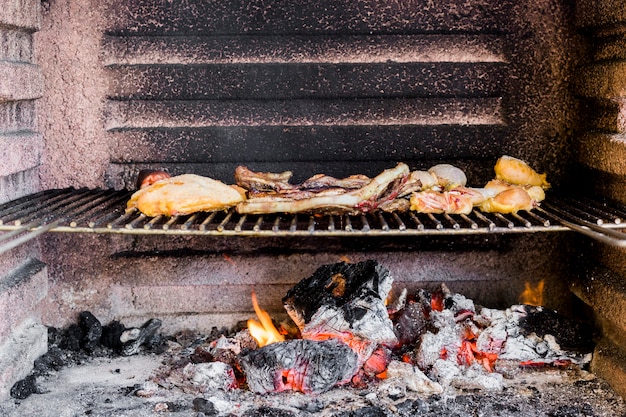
point(21, 290)
point(602, 80)
point(605, 291)
point(17, 116)
point(20, 81)
point(312, 49)
point(18, 353)
point(216, 17)
point(20, 152)
point(609, 362)
point(603, 152)
point(23, 14)
point(19, 184)
point(196, 299)
point(599, 13)
point(16, 46)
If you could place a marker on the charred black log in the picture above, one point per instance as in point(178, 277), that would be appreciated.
point(299, 365)
point(343, 298)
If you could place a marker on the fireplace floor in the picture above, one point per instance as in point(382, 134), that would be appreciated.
point(118, 386)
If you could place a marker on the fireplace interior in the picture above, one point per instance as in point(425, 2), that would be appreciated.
point(93, 92)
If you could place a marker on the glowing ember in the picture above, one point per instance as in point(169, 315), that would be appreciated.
point(263, 331)
point(533, 295)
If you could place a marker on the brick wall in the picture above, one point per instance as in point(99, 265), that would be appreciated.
point(601, 83)
point(23, 278)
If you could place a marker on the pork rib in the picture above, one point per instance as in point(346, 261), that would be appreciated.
point(361, 199)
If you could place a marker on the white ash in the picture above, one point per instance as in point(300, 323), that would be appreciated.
point(212, 376)
point(129, 335)
point(225, 343)
point(402, 376)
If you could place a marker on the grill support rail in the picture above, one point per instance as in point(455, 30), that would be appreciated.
point(103, 211)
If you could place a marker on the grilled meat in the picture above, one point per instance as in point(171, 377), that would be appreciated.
point(381, 188)
point(185, 194)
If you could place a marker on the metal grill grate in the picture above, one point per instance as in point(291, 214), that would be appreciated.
point(103, 211)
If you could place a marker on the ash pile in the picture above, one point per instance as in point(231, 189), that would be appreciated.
point(346, 351)
point(345, 336)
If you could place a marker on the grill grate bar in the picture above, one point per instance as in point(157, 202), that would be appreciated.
point(103, 211)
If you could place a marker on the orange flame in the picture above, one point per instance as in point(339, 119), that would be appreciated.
point(533, 295)
point(264, 331)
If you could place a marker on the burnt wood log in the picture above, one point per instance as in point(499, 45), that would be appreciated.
point(300, 365)
point(343, 299)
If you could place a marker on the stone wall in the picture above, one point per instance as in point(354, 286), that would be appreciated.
point(23, 278)
point(601, 146)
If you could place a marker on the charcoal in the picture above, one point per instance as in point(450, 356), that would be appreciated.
point(53, 360)
point(411, 408)
point(72, 338)
point(24, 388)
point(411, 323)
point(111, 335)
point(55, 337)
point(204, 406)
point(369, 412)
point(342, 297)
point(301, 365)
point(147, 331)
point(268, 412)
point(570, 411)
point(92, 330)
point(571, 334)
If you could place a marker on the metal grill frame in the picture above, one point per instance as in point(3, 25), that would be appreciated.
point(103, 211)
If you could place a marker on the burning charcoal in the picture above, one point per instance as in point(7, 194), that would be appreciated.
point(411, 322)
point(343, 298)
point(300, 365)
point(147, 331)
point(92, 330)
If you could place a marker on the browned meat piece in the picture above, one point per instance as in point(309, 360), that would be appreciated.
point(379, 189)
point(322, 181)
point(262, 181)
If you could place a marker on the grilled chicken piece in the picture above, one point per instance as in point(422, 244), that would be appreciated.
point(509, 201)
point(451, 202)
point(185, 194)
point(516, 171)
point(448, 176)
point(510, 198)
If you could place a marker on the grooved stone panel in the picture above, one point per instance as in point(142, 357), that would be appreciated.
point(216, 17)
point(20, 81)
point(297, 81)
point(132, 50)
point(604, 152)
point(20, 152)
point(23, 14)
